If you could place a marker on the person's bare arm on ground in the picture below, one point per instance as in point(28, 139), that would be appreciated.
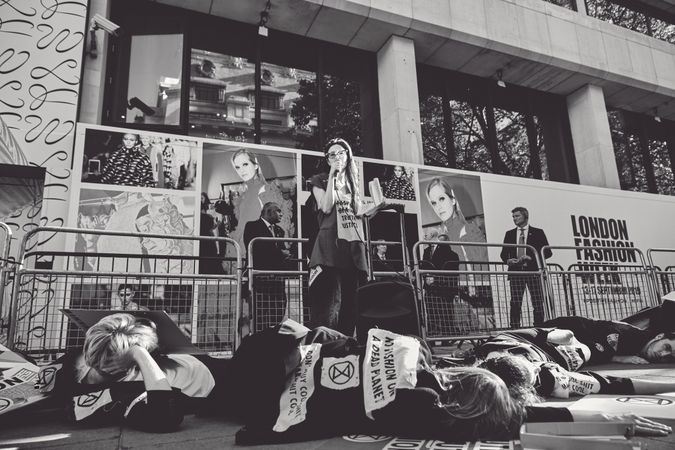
point(643, 426)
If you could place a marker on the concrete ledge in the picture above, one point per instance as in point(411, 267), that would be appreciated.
point(535, 43)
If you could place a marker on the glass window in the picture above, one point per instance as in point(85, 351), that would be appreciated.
point(470, 136)
point(308, 90)
point(153, 90)
point(633, 18)
point(569, 4)
point(461, 129)
point(632, 175)
point(642, 147)
point(221, 96)
point(288, 107)
point(663, 171)
point(433, 132)
point(341, 103)
point(521, 144)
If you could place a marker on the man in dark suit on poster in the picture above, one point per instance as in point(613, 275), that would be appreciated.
point(270, 295)
point(521, 259)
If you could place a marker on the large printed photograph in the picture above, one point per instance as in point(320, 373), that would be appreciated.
point(140, 159)
point(134, 212)
point(452, 206)
point(452, 211)
point(237, 183)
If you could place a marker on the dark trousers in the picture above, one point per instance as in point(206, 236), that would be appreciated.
point(517, 285)
point(269, 298)
point(439, 302)
point(333, 299)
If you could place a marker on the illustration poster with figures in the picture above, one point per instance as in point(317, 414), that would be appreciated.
point(155, 213)
point(139, 184)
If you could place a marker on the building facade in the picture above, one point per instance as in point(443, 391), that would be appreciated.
point(568, 90)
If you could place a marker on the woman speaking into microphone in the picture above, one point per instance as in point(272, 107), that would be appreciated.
point(338, 263)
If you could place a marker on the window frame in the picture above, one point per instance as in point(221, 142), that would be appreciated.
point(482, 92)
point(205, 32)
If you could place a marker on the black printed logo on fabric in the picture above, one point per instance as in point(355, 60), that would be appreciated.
point(87, 400)
point(341, 372)
point(46, 376)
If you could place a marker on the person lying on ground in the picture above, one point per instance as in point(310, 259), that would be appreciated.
point(529, 381)
point(288, 383)
point(574, 342)
point(549, 379)
point(120, 374)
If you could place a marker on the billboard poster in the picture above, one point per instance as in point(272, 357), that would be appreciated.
point(140, 159)
point(233, 180)
point(135, 212)
point(608, 279)
point(398, 186)
point(237, 182)
point(451, 209)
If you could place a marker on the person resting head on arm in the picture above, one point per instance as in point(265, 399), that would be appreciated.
point(118, 344)
point(120, 374)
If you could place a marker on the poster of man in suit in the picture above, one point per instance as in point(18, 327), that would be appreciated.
point(524, 259)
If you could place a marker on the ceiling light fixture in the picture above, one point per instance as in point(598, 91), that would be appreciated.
point(500, 82)
point(264, 18)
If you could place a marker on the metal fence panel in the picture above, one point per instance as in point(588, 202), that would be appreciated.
point(475, 299)
point(608, 291)
point(276, 294)
point(205, 307)
point(662, 263)
point(6, 268)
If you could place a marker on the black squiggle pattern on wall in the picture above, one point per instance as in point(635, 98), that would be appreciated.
point(40, 64)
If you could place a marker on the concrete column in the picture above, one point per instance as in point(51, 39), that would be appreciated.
point(592, 139)
point(399, 101)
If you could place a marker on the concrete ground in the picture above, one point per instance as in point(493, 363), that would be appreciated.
point(37, 428)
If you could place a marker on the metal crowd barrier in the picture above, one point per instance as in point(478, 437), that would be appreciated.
point(662, 263)
point(473, 300)
point(205, 307)
point(275, 294)
point(601, 289)
point(6, 266)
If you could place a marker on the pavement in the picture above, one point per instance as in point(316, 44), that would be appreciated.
point(44, 428)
